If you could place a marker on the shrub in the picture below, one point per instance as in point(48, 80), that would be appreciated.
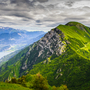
point(40, 83)
point(13, 80)
point(63, 87)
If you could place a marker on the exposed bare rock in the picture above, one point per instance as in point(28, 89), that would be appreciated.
point(52, 43)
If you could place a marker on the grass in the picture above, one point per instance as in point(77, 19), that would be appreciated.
point(79, 37)
point(8, 86)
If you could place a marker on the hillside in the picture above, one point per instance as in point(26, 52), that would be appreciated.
point(62, 55)
point(7, 86)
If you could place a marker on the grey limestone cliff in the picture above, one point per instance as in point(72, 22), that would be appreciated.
point(51, 43)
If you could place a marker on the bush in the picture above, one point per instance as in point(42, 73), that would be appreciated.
point(22, 81)
point(13, 80)
point(40, 83)
point(63, 87)
point(54, 88)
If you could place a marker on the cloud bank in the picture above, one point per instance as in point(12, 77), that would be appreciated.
point(43, 14)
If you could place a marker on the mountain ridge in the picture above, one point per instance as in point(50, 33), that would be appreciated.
point(63, 55)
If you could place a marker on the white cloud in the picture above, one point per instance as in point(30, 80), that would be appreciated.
point(81, 4)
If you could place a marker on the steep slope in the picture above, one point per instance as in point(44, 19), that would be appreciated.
point(37, 52)
point(63, 55)
point(71, 67)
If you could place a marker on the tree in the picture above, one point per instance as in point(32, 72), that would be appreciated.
point(63, 87)
point(40, 83)
point(54, 88)
point(22, 81)
point(13, 80)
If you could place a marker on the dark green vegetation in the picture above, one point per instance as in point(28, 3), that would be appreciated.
point(30, 82)
point(62, 55)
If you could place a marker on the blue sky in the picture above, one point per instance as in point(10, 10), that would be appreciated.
point(43, 15)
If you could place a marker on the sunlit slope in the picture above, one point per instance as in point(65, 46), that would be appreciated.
point(79, 37)
point(8, 86)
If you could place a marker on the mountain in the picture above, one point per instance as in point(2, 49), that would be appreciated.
point(10, 37)
point(15, 36)
point(62, 55)
point(15, 39)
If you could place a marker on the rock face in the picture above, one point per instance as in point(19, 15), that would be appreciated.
point(51, 43)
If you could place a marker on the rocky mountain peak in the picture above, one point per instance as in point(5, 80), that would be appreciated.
point(52, 43)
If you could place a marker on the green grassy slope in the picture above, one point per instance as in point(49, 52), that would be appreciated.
point(30, 82)
point(71, 68)
point(79, 37)
point(8, 86)
point(12, 67)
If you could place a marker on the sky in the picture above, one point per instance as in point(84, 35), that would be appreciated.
point(43, 15)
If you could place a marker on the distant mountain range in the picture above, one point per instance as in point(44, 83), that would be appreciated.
point(15, 39)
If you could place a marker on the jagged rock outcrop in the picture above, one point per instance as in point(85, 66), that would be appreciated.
point(52, 43)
